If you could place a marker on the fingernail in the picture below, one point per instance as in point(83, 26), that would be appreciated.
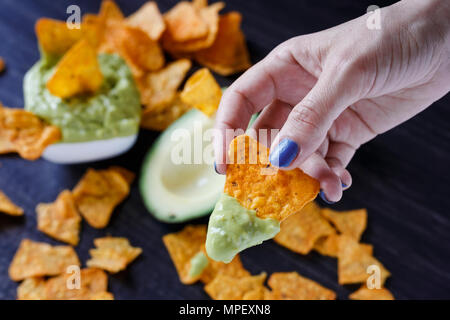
point(344, 186)
point(324, 198)
point(215, 168)
point(284, 153)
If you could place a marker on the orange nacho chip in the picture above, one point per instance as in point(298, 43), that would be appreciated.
point(109, 10)
point(353, 261)
point(233, 269)
point(98, 193)
point(31, 289)
point(292, 286)
point(55, 37)
point(8, 207)
point(225, 287)
point(78, 72)
point(2, 65)
point(35, 259)
point(228, 54)
point(365, 293)
point(128, 175)
point(112, 254)
point(92, 283)
point(102, 296)
point(300, 231)
point(202, 91)
point(149, 19)
point(24, 133)
point(329, 246)
point(60, 220)
point(351, 223)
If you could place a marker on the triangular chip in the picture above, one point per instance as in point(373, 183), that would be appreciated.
point(292, 286)
point(109, 10)
point(78, 72)
point(60, 220)
point(112, 254)
point(148, 19)
point(36, 259)
point(300, 231)
point(228, 54)
point(202, 91)
point(351, 223)
point(54, 36)
point(98, 193)
point(365, 293)
point(353, 261)
point(233, 269)
point(8, 207)
point(329, 246)
point(31, 289)
point(224, 287)
point(258, 186)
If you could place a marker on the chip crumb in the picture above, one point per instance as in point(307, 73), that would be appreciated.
point(225, 287)
point(365, 293)
point(31, 289)
point(112, 254)
point(8, 207)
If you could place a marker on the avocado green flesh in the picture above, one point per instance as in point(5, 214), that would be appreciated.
point(198, 263)
point(233, 228)
point(113, 111)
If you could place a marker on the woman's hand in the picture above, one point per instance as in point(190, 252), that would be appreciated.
point(331, 91)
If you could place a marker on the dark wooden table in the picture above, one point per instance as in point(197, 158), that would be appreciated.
point(402, 177)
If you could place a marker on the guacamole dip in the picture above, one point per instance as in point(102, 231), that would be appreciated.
point(198, 263)
point(112, 112)
point(232, 228)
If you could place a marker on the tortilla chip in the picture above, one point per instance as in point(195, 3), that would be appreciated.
point(365, 293)
point(78, 72)
point(55, 37)
point(202, 91)
point(112, 254)
point(224, 287)
point(31, 289)
point(93, 282)
point(109, 10)
point(2, 65)
point(353, 261)
point(160, 88)
point(98, 193)
point(292, 286)
point(329, 246)
point(258, 186)
point(128, 175)
point(60, 219)
point(233, 269)
point(24, 133)
point(36, 259)
point(161, 119)
point(301, 230)
point(183, 246)
point(228, 54)
point(102, 296)
point(8, 207)
point(149, 19)
point(351, 223)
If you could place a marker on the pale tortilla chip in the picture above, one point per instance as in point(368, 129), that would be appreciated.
point(97, 195)
point(31, 289)
point(292, 286)
point(258, 186)
point(365, 293)
point(8, 207)
point(24, 133)
point(224, 287)
point(300, 231)
point(351, 223)
point(60, 220)
point(78, 72)
point(36, 259)
point(202, 92)
point(329, 246)
point(149, 19)
point(112, 254)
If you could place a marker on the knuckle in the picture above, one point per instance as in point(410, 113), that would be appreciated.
point(306, 118)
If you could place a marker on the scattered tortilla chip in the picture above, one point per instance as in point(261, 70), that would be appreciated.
point(183, 246)
point(8, 207)
point(258, 186)
point(31, 289)
point(160, 88)
point(228, 54)
point(98, 193)
point(55, 37)
point(352, 223)
point(2, 65)
point(112, 254)
point(292, 286)
point(365, 293)
point(92, 282)
point(24, 133)
point(202, 91)
point(60, 220)
point(78, 72)
point(233, 269)
point(161, 119)
point(301, 230)
point(102, 296)
point(353, 261)
point(110, 11)
point(128, 175)
point(149, 19)
point(224, 287)
point(329, 246)
point(36, 259)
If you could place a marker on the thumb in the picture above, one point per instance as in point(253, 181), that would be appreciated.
point(309, 121)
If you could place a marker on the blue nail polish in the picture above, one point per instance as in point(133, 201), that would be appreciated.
point(344, 186)
point(324, 198)
point(215, 168)
point(284, 153)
